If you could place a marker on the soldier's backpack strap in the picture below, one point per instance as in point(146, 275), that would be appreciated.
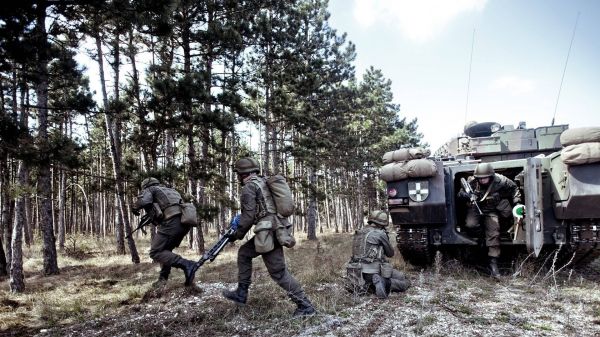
point(266, 203)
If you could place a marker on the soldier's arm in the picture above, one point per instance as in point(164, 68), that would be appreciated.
point(248, 208)
point(384, 241)
point(515, 193)
point(509, 190)
point(144, 200)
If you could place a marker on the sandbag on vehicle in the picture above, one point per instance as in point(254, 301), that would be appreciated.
point(393, 172)
point(418, 168)
point(405, 154)
point(580, 154)
point(580, 135)
point(421, 168)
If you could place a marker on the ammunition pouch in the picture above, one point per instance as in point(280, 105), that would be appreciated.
point(189, 217)
point(386, 270)
point(263, 237)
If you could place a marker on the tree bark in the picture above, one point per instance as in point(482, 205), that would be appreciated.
point(4, 225)
point(312, 206)
point(44, 183)
point(17, 280)
point(61, 209)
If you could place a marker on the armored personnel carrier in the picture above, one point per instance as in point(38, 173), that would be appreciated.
point(561, 195)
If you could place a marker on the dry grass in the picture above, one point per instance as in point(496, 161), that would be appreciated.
point(105, 293)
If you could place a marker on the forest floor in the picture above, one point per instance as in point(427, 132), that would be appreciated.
point(101, 294)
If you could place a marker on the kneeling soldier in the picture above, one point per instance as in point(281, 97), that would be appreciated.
point(368, 268)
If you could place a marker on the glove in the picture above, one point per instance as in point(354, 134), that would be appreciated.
point(235, 222)
point(463, 195)
point(136, 212)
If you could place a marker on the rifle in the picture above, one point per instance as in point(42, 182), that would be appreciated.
point(218, 247)
point(144, 221)
point(471, 194)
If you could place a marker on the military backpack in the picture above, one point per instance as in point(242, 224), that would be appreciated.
point(278, 200)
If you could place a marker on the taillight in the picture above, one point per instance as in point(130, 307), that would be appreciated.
point(392, 192)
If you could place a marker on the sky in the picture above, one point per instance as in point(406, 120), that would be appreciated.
point(519, 51)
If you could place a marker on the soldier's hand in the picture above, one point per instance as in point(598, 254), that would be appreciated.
point(136, 212)
point(463, 195)
point(235, 222)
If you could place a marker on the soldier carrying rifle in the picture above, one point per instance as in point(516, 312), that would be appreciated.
point(165, 203)
point(490, 195)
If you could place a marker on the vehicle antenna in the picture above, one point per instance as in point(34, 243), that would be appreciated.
point(565, 69)
point(469, 80)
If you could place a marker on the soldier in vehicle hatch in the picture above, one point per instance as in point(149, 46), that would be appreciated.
point(492, 199)
point(368, 268)
point(255, 213)
point(165, 203)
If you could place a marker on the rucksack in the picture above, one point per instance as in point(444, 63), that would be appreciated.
point(282, 195)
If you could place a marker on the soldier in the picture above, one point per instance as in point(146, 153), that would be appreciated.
point(494, 193)
point(254, 212)
point(369, 246)
point(166, 202)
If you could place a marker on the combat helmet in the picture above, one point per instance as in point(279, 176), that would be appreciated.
point(246, 165)
point(379, 218)
point(150, 181)
point(484, 170)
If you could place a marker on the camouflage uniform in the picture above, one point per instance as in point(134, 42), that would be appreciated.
point(494, 200)
point(253, 211)
point(170, 231)
point(370, 246)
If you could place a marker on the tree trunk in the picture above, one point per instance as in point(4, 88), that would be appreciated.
point(5, 213)
point(62, 188)
point(312, 206)
point(26, 198)
point(17, 280)
point(44, 183)
point(113, 132)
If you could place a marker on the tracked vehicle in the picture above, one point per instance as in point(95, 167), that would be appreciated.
point(562, 201)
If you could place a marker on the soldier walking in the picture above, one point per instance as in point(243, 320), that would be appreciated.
point(166, 202)
point(494, 193)
point(254, 212)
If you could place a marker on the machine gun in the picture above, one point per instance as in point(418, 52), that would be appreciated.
point(144, 221)
point(214, 251)
point(471, 194)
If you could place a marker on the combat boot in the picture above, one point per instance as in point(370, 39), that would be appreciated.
point(163, 276)
point(305, 308)
point(380, 288)
point(239, 295)
point(494, 272)
point(189, 270)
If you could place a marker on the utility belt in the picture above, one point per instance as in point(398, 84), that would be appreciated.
point(171, 211)
point(365, 260)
